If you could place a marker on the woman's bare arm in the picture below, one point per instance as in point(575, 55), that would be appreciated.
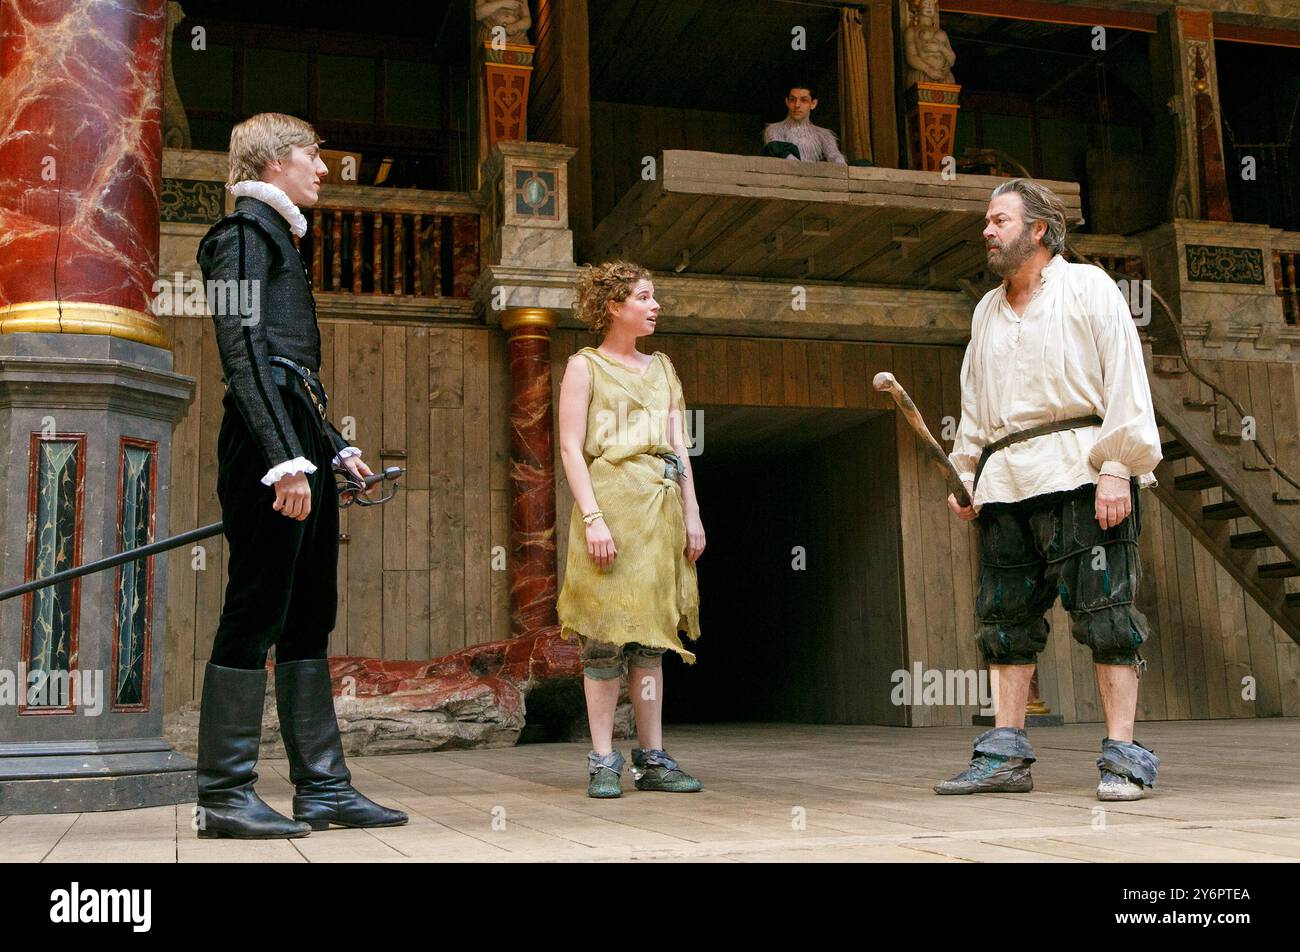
point(575, 395)
point(695, 540)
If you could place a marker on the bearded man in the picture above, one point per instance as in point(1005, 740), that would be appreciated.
point(1057, 437)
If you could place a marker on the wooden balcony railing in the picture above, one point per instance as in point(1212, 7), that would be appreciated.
point(1119, 255)
point(392, 242)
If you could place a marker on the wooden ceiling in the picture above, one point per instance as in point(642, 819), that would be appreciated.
point(1053, 66)
point(735, 56)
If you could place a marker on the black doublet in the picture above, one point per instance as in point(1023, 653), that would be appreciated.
point(253, 244)
point(281, 590)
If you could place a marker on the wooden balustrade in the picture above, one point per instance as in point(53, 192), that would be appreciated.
point(1127, 266)
point(400, 244)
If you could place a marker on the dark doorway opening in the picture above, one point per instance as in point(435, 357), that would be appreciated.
point(800, 583)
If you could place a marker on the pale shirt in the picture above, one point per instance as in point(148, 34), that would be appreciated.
point(1074, 352)
point(815, 143)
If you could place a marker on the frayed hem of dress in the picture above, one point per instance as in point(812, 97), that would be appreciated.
point(688, 625)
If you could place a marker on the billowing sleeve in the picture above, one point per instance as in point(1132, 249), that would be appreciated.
point(1129, 444)
point(832, 148)
point(970, 440)
point(236, 263)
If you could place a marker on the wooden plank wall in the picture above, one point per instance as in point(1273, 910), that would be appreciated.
point(749, 372)
point(415, 579)
point(622, 135)
point(1204, 627)
point(1227, 637)
point(862, 605)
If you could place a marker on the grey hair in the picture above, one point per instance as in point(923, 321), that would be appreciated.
point(1041, 204)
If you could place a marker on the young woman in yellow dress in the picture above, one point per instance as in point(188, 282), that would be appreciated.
point(635, 532)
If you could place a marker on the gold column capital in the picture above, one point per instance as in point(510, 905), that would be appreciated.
point(519, 318)
point(82, 317)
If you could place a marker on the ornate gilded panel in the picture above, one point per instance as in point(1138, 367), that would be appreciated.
point(1220, 264)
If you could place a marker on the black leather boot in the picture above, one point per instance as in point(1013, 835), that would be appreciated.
point(310, 730)
point(230, 734)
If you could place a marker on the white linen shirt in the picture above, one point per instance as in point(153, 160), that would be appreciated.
point(1074, 352)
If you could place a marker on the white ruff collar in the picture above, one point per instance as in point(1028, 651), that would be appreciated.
point(274, 196)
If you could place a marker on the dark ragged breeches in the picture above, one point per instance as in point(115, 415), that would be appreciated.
point(1047, 545)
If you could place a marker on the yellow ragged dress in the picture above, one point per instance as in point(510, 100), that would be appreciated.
point(650, 593)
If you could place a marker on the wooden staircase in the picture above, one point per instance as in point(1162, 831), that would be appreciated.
point(1219, 486)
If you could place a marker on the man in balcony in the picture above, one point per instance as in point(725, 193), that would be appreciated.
point(275, 455)
point(1057, 435)
point(795, 137)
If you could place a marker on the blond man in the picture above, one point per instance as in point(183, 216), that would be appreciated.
point(276, 450)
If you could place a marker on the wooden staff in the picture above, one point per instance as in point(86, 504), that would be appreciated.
point(885, 382)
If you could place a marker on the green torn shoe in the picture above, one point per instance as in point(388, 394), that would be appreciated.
point(604, 783)
point(655, 770)
point(989, 773)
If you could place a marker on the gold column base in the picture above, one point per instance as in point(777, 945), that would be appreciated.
point(82, 317)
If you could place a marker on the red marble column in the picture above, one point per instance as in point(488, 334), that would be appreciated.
point(80, 165)
point(533, 584)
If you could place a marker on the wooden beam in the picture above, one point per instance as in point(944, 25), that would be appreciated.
point(1053, 13)
point(562, 60)
point(1265, 36)
point(881, 79)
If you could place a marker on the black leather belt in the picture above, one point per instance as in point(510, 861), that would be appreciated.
point(1028, 434)
point(282, 367)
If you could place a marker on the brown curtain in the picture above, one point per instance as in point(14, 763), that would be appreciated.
point(855, 106)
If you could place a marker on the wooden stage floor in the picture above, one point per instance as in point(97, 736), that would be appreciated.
point(1229, 791)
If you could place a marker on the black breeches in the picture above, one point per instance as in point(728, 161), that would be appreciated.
point(282, 590)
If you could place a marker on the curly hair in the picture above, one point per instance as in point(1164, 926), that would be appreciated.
point(599, 284)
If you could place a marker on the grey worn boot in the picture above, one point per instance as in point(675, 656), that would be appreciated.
point(1000, 764)
point(1127, 769)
